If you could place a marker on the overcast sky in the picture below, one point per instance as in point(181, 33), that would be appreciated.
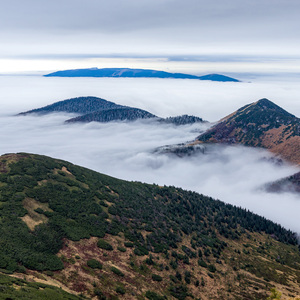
point(89, 32)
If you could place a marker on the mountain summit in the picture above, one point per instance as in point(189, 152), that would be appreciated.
point(259, 124)
point(79, 105)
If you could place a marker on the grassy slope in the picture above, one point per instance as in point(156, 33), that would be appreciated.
point(164, 240)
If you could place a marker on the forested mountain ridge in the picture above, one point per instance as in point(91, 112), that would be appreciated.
point(183, 120)
point(131, 114)
point(116, 114)
point(94, 109)
point(289, 184)
point(105, 237)
point(259, 124)
point(136, 73)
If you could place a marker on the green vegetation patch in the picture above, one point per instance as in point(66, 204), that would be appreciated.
point(156, 277)
point(117, 271)
point(120, 290)
point(94, 264)
point(13, 288)
point(179, 292)
point(154, 296)
point(104, 245)
point(121, 249)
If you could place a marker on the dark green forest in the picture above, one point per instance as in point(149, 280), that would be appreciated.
point(115, 114)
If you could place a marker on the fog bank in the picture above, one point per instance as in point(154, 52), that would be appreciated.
point(126, 150)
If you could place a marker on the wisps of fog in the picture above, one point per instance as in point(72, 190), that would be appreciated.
point(125, 150)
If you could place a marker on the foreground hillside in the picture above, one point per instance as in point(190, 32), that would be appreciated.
point(259, 124)
point(101, 237)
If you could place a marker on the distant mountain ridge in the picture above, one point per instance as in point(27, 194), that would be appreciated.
point(136, 73)
point(93, 109)
point(259, 124)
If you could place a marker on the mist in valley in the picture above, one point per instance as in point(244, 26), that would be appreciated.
point(126, 150)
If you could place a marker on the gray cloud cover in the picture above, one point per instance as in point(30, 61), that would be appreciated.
point(150, 27)
point(125, 150)
point(119, 15)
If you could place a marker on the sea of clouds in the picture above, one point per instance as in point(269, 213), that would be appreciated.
point(127, 150)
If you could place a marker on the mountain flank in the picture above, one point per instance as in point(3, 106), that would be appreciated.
point(98, 236)
point(136, 73)
point(289, 184)
point(259, 124)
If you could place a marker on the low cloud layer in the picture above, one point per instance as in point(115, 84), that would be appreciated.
point(125, 150)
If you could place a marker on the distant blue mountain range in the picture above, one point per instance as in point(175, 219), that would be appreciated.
point(136, 73)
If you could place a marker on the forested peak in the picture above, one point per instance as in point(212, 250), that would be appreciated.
point(183, 120)
point(80, 105)
point(266, 102)
point(259, 124)
point(260, 112)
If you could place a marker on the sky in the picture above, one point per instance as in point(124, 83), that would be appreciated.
point(194, 36)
